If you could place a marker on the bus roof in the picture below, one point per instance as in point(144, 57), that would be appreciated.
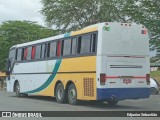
point(88, 29)
point(91, 28)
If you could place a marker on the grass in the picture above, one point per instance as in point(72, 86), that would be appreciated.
point(156, 75)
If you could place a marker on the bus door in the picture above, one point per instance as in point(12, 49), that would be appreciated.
point(10, 61)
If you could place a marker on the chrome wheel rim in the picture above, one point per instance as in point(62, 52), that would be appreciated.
point(17, 89)
point(72, 94)
point(60, 93)
point(153, 91)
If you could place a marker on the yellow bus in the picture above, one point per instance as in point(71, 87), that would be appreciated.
point(107, 62)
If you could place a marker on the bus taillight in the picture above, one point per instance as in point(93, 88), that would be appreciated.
point(148, 79)
point(102, 79)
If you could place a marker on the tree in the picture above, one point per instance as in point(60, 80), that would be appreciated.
point(73, 14)
point(16, 32)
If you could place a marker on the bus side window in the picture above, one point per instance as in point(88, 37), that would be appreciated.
point(29, 53)
point(43, 51)
point(33, 52)
point(58, 49)
point(25, 50)
point(38, 52)
point(48, 50)
point(79, 44)
point(73, 44)
point(53, 46)
point(84, 44)
point(19, 54)
point(66, 47)
point(93, 43)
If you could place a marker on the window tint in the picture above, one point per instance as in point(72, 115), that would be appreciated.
point(79, 44)
point(19, 54)
point(53, 47)
point(84, 44)
point(66, 47)
point(93, 43)
point(25, 53)
point(73, 49)
point(48, 50)
point(58, 48)
point(38, 52)
point(43, 52)
point(33, 52)
point(29, 53)
point(87, 44)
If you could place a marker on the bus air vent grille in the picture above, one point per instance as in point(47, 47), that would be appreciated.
point(88, 84)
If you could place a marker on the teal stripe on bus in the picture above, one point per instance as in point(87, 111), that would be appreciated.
point(67, 34)
point(49, 80)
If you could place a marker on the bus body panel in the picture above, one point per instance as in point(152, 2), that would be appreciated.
point(124, 59)
point(40, 78)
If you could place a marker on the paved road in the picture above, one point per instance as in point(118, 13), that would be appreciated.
point(8, 102)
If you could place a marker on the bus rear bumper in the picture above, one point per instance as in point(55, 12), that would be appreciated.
point(122, 93)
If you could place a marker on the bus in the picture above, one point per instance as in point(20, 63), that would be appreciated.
point(107, 61)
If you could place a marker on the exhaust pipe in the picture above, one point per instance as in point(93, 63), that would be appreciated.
point(113, 97)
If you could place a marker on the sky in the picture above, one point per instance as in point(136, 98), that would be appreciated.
point(21, 10)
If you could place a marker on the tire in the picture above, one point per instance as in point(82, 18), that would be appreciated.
point(72, 95)
point(60, 93)
point(17, 90)
point(112, 102)
point(153, 91)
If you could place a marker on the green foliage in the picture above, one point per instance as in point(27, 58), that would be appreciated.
point(17, 32)
point(155, 75)
point(73, 14)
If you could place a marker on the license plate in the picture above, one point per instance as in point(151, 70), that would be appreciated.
point(127, 80)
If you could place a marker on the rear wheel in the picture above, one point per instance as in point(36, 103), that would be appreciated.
point(60, 93)
point(72, 95)
point(112, 102)
point(17, 90)
point(153, 91)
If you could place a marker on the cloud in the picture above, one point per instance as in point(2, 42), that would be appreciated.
point(21, 10)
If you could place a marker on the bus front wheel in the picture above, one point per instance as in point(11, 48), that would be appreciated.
point(72, 94)
point(60, 93)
